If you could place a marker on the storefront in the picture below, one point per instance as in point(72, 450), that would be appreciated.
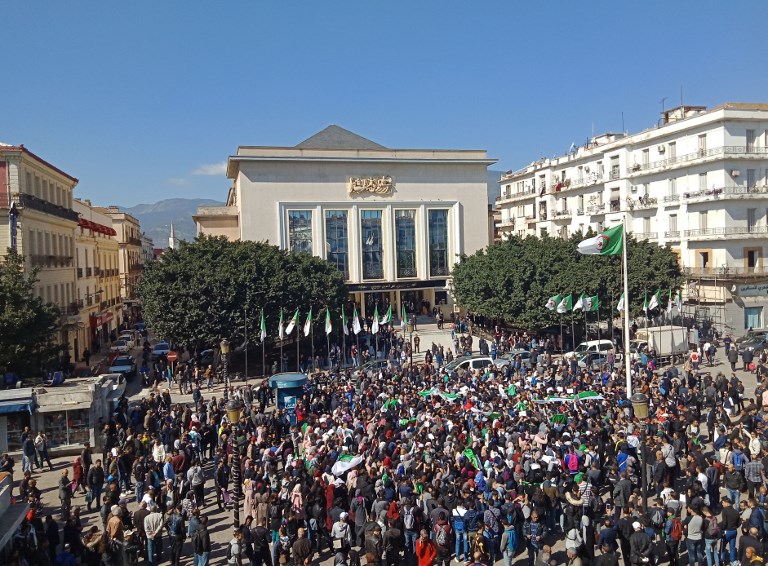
point(16, 406)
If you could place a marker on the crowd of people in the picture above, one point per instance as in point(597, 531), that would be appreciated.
point(406, 463)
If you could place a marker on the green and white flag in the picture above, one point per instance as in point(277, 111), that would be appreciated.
point(552, 302)
point(645, 305)
point(679, 301)
point(292, 323)
point(670, 302)
point(345, 462)
point(308, 323)
point(591, 304)
point(565, 305)
point(356, 328)
point(328, 325)
point(608, 243)
point(263, 335)
point(654, 302)
point(387, 317)
point(375, 326)
point(344, 322)
point(620, 306)
point(281, 328)
point(580, 303)
point(403, 317)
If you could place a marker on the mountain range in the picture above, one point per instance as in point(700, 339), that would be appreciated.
point(156, 219)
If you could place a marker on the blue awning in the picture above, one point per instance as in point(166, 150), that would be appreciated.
point(15, 406)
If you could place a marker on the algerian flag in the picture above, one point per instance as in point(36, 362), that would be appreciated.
point(344, 463)
point(308, 323)
point(580, 303)
point(591, 304)
point(344, 322)
point(375, 326)
point(263, 327)
point(470, 455)
point(281, 328)
point(669, 302)
point(565, 305)
point(391, 403)
point(552, 302)
point(355, 322)
point(654, 303)
point(292, 323)
point(620, 306)
point(645, 305)
point(608, 243)
point(589, 395)
point(328, 325)
point(679, 300)
point(511, 390)
point(558, 418)
point(387, 317)
point(403, 317)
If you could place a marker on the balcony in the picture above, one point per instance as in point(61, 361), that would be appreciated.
point(646, 235)
point(672, 235)
point(742, 231)
point(614, 206)
point(596, 209)
point(642, 203)
point(505, 224)
point(723, 193)
point(671, 199)
point(562, 215)
point(512, 197)
point(89, 272)
point(579, 212)
point(136, 268)
point(614, 174)
point(715, 152)
point(70, 315)
point(134, 241)
point(530, 217)
point(79, 272)
point(586, 181)
point(50, 260)
point(31, 202)
point(725, 271)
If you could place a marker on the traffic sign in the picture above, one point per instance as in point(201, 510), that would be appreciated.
point(172, 356)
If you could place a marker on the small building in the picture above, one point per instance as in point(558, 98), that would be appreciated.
point(16, 408)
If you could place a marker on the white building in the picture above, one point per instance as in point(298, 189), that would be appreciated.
point(393, 221)
point(697, 183)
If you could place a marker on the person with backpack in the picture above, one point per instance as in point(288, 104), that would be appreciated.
point(442, 537)
point(235, 549)
point(712, 535)
point(508, 542)
point(201, 539)
point(729, 525)
point(459, 532)
point(656, 516)
point(410, 523)
point(534, 533)
point(177, 532)
point(673, 534)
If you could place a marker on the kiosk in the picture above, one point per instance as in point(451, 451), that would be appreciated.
point(288, 387)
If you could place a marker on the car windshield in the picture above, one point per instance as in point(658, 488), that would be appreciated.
point(121, 342)
point(122, 360)
point(581, 348)
point(161, 346)
point(455, 363)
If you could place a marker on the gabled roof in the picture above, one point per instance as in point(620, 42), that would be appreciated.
point(334, 137)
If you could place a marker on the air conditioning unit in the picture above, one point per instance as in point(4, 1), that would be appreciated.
point(586, 169)
point(633, 188)
point(735, 173)
point(662, 148)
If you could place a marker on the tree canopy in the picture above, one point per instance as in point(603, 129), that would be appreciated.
point(512, 280)
point(27, 324)
point(197, 295)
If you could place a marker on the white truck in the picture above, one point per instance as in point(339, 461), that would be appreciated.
point(668, 341)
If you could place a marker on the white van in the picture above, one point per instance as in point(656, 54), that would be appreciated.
point(601, 347)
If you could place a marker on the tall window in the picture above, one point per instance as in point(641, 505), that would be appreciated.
point(370, 224)
point(405, 226)
point(438, 242)
point(300, 231)
point(336, 243)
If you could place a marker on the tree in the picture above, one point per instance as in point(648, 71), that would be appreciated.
point(512, 280)
point(27, 325)
point(198, 294)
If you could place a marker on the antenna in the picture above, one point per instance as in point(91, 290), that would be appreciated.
point(662, 101)
point(681, 95)
point(623, 129)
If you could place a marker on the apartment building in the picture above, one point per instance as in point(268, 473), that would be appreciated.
point(37, 219)
point(130, 252)
point(698, 182)
point(98, 278)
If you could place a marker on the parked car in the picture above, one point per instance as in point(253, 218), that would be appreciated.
point(160, 349)
point(525, 357)
point(475, 362)
point(123, 365)
point(129, 339)
point(754, 344)
point(120, 346)
point(593, 361)
point(374, 365)
point(206, 358)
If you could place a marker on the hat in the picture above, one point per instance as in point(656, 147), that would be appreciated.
point(343, 515)
point(115, 510)
point(637, 526)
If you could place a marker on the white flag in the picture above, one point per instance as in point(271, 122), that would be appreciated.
point(580, 303)
point(292, 323)
point(356, 328)
point(375, 326)
point(654, 302)
point(620, 306)
point(308, 323)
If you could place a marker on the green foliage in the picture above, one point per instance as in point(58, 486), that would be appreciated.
point(512, 280)
point(27, 325)
point(197, 295)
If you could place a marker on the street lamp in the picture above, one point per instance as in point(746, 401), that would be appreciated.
point(234, 409)
point(640, 404)
point(225, 360)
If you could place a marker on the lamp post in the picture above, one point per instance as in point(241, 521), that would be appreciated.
point(234, 409)
point(640, 404)
point(225, 360)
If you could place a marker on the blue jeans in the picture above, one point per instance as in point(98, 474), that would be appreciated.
point(96, 500)
point(710, 549)
point(155, 547)
point(734, 495)
point(201, 559)
point(26, 463)
point(410, 541)
point(695, 551)
point(729, 540)
point(461, 539)
point(139, 491)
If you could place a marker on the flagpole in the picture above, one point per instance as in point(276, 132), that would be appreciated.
point(625, 277)
point(562, 343)
point(343, 341)
point(246, 341)
point(598, 319)
point(298, 340)
point(312, 338)
point(573, 332)
point(328, 343)
point(263, 357)
point(586, 333)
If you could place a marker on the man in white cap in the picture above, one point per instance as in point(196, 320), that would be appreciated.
point(640, 544)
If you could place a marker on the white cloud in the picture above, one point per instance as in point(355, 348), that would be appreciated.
point(178, 181)
point(211, 169)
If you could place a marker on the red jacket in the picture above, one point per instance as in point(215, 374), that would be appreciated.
point(426, 552)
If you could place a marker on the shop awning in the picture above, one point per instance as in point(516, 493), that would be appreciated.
point(10, 521)
point(15, 406)
point(64, 407)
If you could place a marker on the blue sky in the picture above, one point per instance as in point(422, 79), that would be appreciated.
point(145, 100)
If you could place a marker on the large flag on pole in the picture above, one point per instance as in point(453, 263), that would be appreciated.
point(591, 304)
point(679, 301)
point(645, 305)
point(375, 326)
point(552, 302)
point(344, 322)
point(281, 328)
point(328, 325)
point(608, 243)
point(654, 302)
point(356, 328)
point(263, 335)
point(292, 323)
point(308, 323)
point(669, 302)
point(387, 317)
point(565, 305)
point(620, 306)
point(403, 317)
point(580, 303)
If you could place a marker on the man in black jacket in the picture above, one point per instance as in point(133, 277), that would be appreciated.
point(95, 482)
point(202, 541)
point(260, 539)
point(640, 544)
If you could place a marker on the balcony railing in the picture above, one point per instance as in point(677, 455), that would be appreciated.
point(32, 202)
point(89, 272)
point(727, 231)
point(562, 214)
point(579, 212)
point(79, 272)
point(642, 203)
point(134, 241)
point(646, 235)
point(729, 150)
point(508, 223)
point(614, 206)
point(672, 235)
point(530, 216)
point(516, 196)
point(672, 198)
point(760, 191)
point(727, 271)
point(596, 209)
point(50, 260)
point(614, 174)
